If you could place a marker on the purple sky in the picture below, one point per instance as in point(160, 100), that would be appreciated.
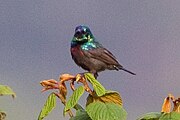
point(35, 38)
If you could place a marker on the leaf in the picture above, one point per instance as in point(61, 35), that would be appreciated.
point(150, 116)
point(100, 90)
point(166, 107)
point(176, 103)
point(73, 100)
point(81, 115)
point(108, 97)
point(2, 115)
point(106, 111)
point(111, 96)
point(48, 106)
point(170, 116)
point(6, 90)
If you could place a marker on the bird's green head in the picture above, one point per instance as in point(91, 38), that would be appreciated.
point(82, 35)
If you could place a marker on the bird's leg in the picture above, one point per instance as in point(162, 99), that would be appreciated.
point(95, 75)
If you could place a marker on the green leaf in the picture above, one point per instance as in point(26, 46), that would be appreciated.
point(150, 116)
point(73, 100)
point(111, 96)
point(170, 116)
point(99, 89)
point(48, 106)
point(106, 111)
point(6, 90)
point(108, 97)
point(81, 115)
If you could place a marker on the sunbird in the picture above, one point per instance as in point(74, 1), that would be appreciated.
point(90, 55)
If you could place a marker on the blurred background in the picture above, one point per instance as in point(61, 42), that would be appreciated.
point(35, 40)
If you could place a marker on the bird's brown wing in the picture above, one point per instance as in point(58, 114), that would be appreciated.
point(104, 55)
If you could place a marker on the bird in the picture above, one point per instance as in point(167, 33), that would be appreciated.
point(90, 55)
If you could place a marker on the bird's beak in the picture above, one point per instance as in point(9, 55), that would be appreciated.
point(81, 37)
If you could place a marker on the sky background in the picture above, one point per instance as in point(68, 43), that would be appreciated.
point(35, 40)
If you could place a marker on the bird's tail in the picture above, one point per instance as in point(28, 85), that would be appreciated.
point(128, 71)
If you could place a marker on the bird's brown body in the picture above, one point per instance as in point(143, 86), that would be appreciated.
point(91, 55)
